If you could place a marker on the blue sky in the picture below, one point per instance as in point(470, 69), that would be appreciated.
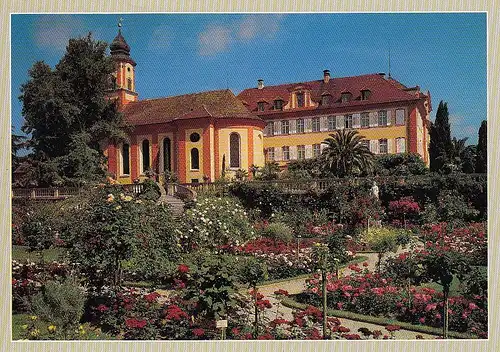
point(186, 53)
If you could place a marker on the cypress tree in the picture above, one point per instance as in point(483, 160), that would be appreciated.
point(482, 156)
point(440, 147)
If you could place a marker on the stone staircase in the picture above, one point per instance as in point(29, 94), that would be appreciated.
point(175, 203)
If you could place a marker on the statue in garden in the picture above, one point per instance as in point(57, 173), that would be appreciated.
point(375, 190)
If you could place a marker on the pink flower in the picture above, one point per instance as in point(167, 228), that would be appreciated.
point(183, 268)
point(421, 320)
point(198, 332)
point(438, 316)
point(339, 305)
point(472, 306)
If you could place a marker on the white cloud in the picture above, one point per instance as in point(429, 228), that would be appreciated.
point(259, 25)
point(218, 38)
point(161, 37)
point(54, 31)
point(215, 39)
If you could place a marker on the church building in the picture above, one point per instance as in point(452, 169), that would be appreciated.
point(194, 136)
point(201, 136)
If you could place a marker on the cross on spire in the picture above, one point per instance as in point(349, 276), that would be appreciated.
point(120, 20)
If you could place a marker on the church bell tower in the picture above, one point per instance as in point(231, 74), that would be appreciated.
point(122, 83)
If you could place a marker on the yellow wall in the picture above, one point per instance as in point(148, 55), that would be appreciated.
point(258, 148)
point(224, 148)
point(390, 132)
point(190, 174)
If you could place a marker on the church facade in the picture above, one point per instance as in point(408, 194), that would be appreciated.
point(201, 136)
point(194, 136)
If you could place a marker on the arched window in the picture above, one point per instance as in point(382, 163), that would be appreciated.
point(195, 159)
point(234, 150)
point(125, 159)
point(129, 83)
point(145, 155)
point(166, 154)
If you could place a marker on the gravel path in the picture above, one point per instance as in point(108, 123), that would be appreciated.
point(299, 285)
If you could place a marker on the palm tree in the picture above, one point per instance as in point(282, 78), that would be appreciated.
point(462, 157)
point(344, 153)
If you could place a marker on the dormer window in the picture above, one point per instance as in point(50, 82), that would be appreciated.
point(365, 94)
point(300, 100)
point(345, 97)
point(325, 99)
point(260, 106)
point(278, 104)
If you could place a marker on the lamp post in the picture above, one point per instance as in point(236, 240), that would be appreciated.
point(298, 247)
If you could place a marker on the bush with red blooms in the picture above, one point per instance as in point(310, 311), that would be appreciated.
point(470, 241)
point(404, 209)
point(376, 295)
point(136, 315)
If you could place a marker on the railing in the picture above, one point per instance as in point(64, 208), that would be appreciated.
point(45, 193)
point(180, 191)
point(136, 188)
point(321, 185)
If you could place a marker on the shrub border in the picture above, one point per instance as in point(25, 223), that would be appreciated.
point(356, 260)
point(291, 303)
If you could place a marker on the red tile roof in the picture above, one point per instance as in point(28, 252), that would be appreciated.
point(219, 104)
point(383, 90)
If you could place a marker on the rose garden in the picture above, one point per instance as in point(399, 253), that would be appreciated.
point(112, 264)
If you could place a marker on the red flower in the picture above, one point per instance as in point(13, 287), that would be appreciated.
point(183, 268)
point(365, 264)
point(174, 312)
point(102, 308)
point(134, 323)
point(151, 297)
point(392, 328)
point(198, 332)
point(352, 337)
point(344, 329)
point(281, 292)
point(235, 331)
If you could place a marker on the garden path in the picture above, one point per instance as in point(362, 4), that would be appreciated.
point(299, 285)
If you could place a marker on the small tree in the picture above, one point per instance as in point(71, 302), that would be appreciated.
point(253, 272)
point(440, 146)
point(482, 149)
point(381, 240)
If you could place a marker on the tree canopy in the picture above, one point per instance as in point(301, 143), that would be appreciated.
point(345, 154)
point(440, 147)
point(67, 114)
point(482, 146)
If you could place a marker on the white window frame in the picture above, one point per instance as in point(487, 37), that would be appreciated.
point(301, 126)
point(380, 145)
point(285, 127)
point(301, 152)
point(316, 124)
point(285, 153)
point(382, 118)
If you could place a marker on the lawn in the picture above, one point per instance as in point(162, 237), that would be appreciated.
point(22, 253)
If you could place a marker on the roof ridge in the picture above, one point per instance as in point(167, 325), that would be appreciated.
point(186, 95)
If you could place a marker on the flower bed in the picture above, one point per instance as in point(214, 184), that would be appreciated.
point(374, 295)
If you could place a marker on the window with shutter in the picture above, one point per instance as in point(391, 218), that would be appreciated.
point(365, 120)
point(382, 146)
point(348, 121)
point(373, 119)
point(316, 150)
point(309, 151)
point(324, 123)
point(300, 126)
point(332, 123)
point(285, 153)
point(293, 126)
point(301, 152)
point(315, 124)
point(270, 154)
point(382, 118)
point(285, 127)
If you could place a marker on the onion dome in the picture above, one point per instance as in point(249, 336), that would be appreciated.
point(120, 50)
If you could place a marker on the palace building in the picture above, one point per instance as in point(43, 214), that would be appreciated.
point(299, 116)
point(200, 136)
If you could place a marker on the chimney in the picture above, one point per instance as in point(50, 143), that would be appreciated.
point(260, 83)
point(326, 76)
